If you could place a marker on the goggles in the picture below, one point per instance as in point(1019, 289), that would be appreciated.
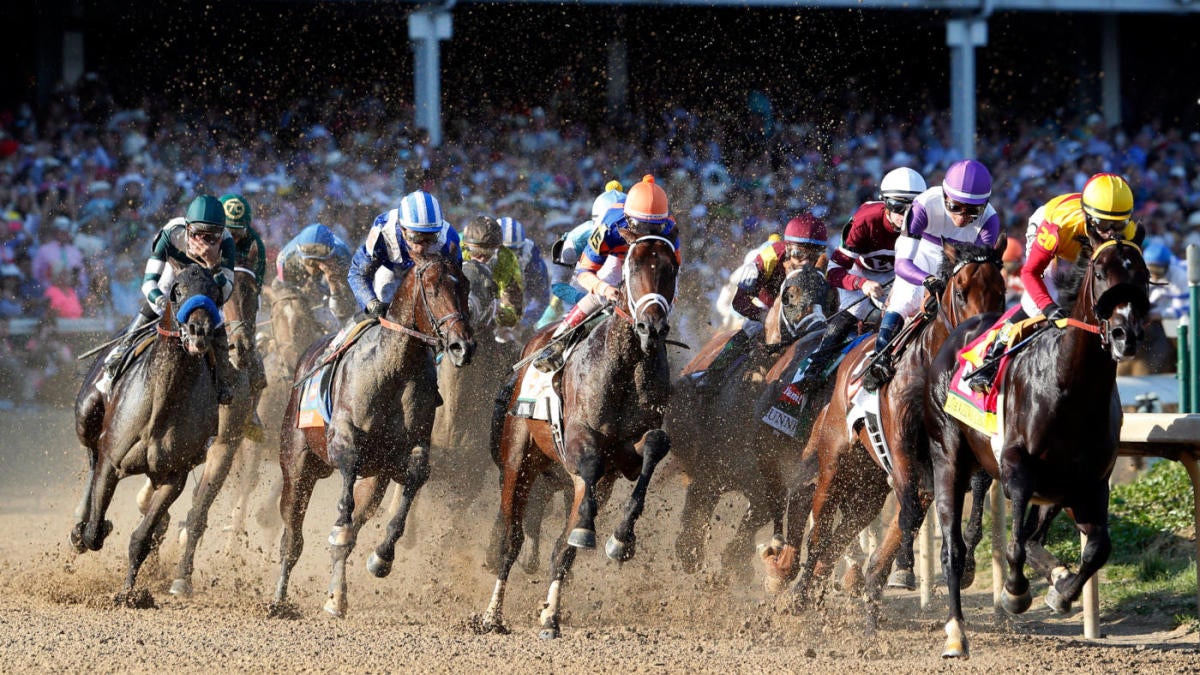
point(421, 238)
point(969, 210)
point(1105, 227)
point(802, 251)
point(639, 226)
point(206, 236)
point(897, 205)
point(482, 252)
point(314, 251)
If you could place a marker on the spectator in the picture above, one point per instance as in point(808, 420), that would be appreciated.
point(61, 296)
point(31, 291)
point(11, 306)
point(59, 253)
point(125, 288)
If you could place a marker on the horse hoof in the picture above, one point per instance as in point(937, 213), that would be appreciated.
point(618, 550)
point(968, 576)
point(549, 633)
point(853, 581)
point(76, 539)
point(181, 587)
point(904, 579)
point(956, 650)
point(335, 608)
point(581, 538)
point(378, 566)
point(1016, 604)
point(1057, 602)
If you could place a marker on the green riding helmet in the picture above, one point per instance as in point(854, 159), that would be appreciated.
point(237, 211)
point(205, 213)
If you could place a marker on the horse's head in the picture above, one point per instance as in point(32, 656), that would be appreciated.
point(1116, 289)
point(482, 300)
point(441, 308)
point(650, 270)
point(241, 312)
point(192, 309)
point(801, 303)
point(974, 283)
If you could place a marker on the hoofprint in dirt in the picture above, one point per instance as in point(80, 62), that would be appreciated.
point(56, 610)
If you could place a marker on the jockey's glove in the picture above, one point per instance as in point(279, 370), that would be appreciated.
point(934, 285)
point(1054, 312)
point(160, 305)
point(376, 308)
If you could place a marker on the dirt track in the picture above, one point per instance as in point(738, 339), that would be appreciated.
point(56, 612)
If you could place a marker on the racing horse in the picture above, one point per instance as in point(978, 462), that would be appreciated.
point(615, 386)
point(1060, 420)
point(156, 421)
point(717, 435)
point(383, 394)
point(842, 469)
point(241, 312)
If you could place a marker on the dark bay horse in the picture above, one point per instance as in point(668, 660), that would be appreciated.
point(615, 386)
point(240, 313)
point(719, 439)
point(841, 471)
point(384, 393)
point(156, 421)
point(1060, 418)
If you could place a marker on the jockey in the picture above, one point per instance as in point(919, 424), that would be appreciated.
point(956, 211)
point(864, 262)
point(316, 261)
point(566, 251)
point(1101, 212)
point(646, 211)
point(482, 242)
point(413, 230)
point(1168, 283)
point(249, 254)
point(535, 277)
point(758, 283)
point(198, 238)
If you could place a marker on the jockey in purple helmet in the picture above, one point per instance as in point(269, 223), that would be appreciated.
point(957, 211)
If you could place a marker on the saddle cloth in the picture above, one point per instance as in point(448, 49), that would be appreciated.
point(316, 398)
point(784, 415)
point(973, 408)
point(864, 410)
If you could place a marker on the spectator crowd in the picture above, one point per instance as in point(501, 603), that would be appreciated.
point(86, 181)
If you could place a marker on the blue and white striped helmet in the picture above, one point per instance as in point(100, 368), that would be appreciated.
point(420, 212)
point(513, 231)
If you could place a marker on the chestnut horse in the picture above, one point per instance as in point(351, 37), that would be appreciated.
point(1060, 418)
point(615, 386)
point(383, 394)
point(241, 310)
point(841, 468)
point(718, 436)
point(156, 421)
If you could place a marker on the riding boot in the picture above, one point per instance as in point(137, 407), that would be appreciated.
point(981, 380)
point(882, 370)
point(551, 357)
point(225, 371)
point(729, 354)
point(831, 343)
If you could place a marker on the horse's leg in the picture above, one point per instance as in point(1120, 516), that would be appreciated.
point(216, 469)
point(299, 476)
point(367, 495)
point(540, 497)
point(247, 473)
point(517, 474)
point(415, 475)
point(826, 499)
point(1016, 597)
point(699, 502)
point(140, 541)
point(781, 557)
point(951, 480)
point(622, 543)
point(85, 503)
point(591, 468)
point(734, 557)
point(1091, 519)
point(580, 532)
point(880, 563)
point(94, 531)
point(980, 482)
point(1039, 558)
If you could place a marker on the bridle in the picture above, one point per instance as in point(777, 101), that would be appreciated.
point(638, 305)
point(438, 339)
point(1098, 303)
point(979, 258)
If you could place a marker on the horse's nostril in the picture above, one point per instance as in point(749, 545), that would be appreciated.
point(1118, 334)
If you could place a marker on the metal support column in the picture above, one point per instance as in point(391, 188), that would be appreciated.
point(1193, 334)
point(963, 36)
point(426, 27)
point(1110, 70)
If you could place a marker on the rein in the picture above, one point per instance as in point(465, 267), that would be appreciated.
point(645, 298)
point(423, 337)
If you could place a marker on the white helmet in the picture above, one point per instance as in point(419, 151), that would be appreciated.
point(902, 184)
point(611, 197)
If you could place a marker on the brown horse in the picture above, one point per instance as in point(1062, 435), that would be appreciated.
point(718, 436)
point(383, 392)
point(1060, 418)
point(615, 386)
point(156, 421)
point(241, 310)
point(842, 469)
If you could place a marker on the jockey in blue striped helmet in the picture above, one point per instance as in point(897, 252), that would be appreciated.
point(415, 229)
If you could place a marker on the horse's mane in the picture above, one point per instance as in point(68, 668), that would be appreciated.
point(965, 251)
point(1070, 280)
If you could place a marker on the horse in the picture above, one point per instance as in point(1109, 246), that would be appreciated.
point(1060, 416)
point(383, 394)
point(718, 436)
point(615, 386)
point(241, 311)
point(842, 469)
point(156, 421)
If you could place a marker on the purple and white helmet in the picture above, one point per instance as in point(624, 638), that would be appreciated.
point(968, 182)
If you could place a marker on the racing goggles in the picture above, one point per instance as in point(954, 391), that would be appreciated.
point(482, 252)
point(209, 237)
point(645, 227)
point(802, 252)
point(421, 238)
point(897, 206)
point(315, 251)
point(1105, 227)
point(968, 210)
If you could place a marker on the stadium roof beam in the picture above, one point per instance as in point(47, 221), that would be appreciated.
point(970, 6)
